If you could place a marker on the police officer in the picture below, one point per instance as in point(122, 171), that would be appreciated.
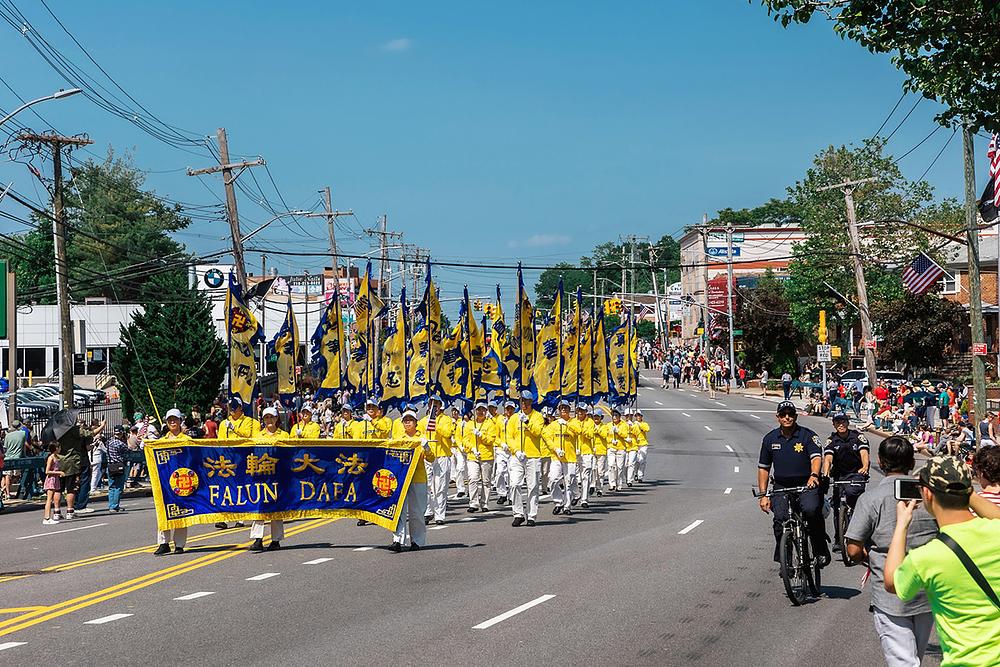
point(793, 453)
point(845, 458)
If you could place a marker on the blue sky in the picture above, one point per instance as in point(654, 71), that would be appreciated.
point(488, 133)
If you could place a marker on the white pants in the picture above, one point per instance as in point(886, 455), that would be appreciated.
point(631, 460)
point(530, 473)
point(600, 476)
point(480, 475)
point(546, 479)
point(641, 462)
point(277, 530)
point(96, 473)
point(586, 476)
point(458, 470)
point(903, 638)
point(178, 535)
point(436, 488)
point(621, 471)
point(501, 478)
point(563, 479)
point(411, 529)
point(612, 468)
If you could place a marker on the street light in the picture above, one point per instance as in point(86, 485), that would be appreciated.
point(58, 95)
point(280, 215)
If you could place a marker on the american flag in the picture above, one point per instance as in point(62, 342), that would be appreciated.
point(921, 274)
point(989, 203)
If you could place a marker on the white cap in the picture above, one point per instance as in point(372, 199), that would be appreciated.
point(409, 413)
point(270, 411)
point(174, 412)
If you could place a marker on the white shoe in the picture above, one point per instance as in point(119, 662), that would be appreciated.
point(85, 510)
point(49, 522)
point(70, 516)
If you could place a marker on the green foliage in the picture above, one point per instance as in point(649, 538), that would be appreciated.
point(916, 330)
point(608, 258)
point(772, 213)
point(113, 227)
point(170, 348)
point(949, 49)
point(823, 260)
point(644, 329)
point(770, 339)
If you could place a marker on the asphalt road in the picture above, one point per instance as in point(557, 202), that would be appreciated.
point(674, 571)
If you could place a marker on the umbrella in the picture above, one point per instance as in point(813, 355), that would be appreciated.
point(59, 425)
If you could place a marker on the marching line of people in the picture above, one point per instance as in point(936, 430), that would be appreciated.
point(507, 453)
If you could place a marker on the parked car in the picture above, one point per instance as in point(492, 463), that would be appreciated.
point(892, 377)
point(80, 398)
point(96, 395)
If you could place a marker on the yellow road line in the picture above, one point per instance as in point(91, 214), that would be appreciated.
point(12, 578)
point(14, 610)
point(43, 614)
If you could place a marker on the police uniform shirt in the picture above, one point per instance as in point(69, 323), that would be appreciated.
point(789, 458)
point(846, 452)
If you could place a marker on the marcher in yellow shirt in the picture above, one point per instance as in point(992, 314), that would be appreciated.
point(174, 418)
point(602, 433)
point(306, 428)
point(631, 448)
point(524, 439)
point(640, 432)
point(501, 454)
point(438, 467)
point(411, 529)
point(480, 434)
point(585, 442)
point(375, 425)
point(459, 460)
point(346, 427)
point(271, 431)
point(562, 438)
point(619, 431)
point(238, 426)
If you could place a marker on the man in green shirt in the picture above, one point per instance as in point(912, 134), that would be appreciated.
point(967, 620)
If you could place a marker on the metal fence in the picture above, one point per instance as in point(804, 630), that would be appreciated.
point(110, 412)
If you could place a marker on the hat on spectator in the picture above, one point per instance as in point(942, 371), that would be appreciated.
point(409, 414)
point(786, 405)
point(235, 403)
point(947, 474)
point(174, 412)
point(510, 404)
point(119, 429)
point(273, 412)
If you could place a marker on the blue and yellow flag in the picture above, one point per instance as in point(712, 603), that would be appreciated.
point(393, 377)
point(522, 343)
point(493, 372)
point(472, 350)
point(328, 349)
point(599, 359)
point(621, 370)
point(362, 369)
point(451, 375)
point(500, 342)
point(549, 363)
point(285, 348)
point(426, 344)
point(243, 335)
point(585, 376)
point(571, 351)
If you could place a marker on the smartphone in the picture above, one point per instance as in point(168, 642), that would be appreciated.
point(907, 488)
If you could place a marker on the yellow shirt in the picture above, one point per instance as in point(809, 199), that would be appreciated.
point(420, 474)
point(244, 427)
point(307, 431)
point(585, 435)
point(639, 431)
point(602, 433)
point(347, 430)
point(631, 442)
point(373, 429)
point(616, 440)
point(564, 437)
point(180, 436)
point(483, 443)
point(440, 439)
point(500, 424)
point(277, 435)
point(526, 436)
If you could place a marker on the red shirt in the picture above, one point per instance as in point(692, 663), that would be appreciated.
point(211, 429)
point(881, 393)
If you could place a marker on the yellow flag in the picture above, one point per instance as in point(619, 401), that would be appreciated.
point(451, 374)
point(472, 350)
point(492, 373)
point(328, 349)
point(426, 343)
point(244, 335)
point(522, 343)
point(548, 365)
point(285, 347)
point(393, 377)
point(500, 341)
point(585, 386)
point(599, 359)
point(362, 367)
point(618, 356)
point(571, 352)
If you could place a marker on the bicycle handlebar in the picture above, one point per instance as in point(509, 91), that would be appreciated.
point(789, 489)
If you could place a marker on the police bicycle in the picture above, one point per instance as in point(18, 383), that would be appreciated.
point(843, 513)
point(799, 572)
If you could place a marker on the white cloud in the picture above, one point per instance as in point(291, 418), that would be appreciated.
point(539, 241)
point(399, 44)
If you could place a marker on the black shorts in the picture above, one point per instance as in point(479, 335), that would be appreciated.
point(70, 484)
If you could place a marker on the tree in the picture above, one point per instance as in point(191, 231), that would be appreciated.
point(171, 349)
point(822, 264)
point(769, 337)
point(772, 213)
point(949, 49)
point(917, 330)
point(116, 237)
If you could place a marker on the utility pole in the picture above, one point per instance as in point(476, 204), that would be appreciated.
point(263, 314)
point(706, 348)
point(729, 304)
point(331, 218)
point(656, 296)
point(847, 187)
point(228, 179)
point(384, 288)
point(56, 142)
point(595, 293)
point(975, 294)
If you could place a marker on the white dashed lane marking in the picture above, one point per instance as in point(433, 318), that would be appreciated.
point(57, 532)
point(728, 490)
point(195, 596)
point(262, 577)
point(106, 619)
point(364, 548)
point(685, 414)
point(658, 402)
point(7, 645)
point(437, 527)
point(736, 468)
point(729, 448)
point(754, 416)
point(316, 561)
point(707, 427)
point(513, 612)
point(691, 526)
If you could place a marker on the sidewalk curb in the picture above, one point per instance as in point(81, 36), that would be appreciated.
point(15, 506)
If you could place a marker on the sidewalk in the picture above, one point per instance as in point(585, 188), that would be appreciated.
point(98, 500)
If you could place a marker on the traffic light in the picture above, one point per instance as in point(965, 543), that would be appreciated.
point(822, 333)
point(613, 307)
point(477, 305)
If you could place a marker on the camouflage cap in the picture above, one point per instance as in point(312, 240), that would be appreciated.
point(947, 474)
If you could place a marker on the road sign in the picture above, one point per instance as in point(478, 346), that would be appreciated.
point(737, 332)
point(721, 236)
point(722, 252)
point(824, 353)
point(871, 344)
point(979, 349)
point(835, 350)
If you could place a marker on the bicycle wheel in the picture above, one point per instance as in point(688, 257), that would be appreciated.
point(793, 570)
point(813, 570)
point(843, 518)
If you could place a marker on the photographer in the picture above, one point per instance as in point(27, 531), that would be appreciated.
point(959, 569)
point(903, 628)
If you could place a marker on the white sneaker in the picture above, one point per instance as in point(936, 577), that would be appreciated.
point(49, 522)
point(57, 517)
point(85, 510)
point(70, 516)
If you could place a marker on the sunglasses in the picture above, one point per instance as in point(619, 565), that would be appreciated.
point(787, 413)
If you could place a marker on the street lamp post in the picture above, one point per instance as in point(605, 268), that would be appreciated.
point(58, 95)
